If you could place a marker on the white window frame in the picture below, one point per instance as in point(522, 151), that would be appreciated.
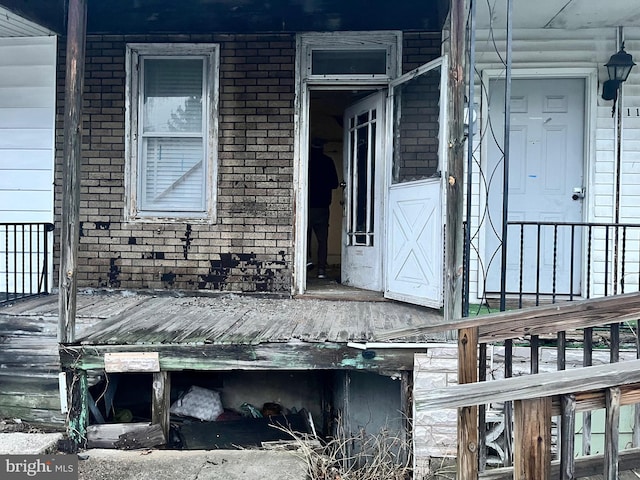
point(133, 107)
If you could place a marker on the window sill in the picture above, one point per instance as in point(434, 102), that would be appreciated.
point(170, 219)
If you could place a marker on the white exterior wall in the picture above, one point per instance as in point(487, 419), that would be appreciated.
point(583, 53)
point(630, 155)
point(27, 132)
point(27, 117)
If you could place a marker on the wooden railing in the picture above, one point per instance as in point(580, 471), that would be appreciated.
point(537, 397)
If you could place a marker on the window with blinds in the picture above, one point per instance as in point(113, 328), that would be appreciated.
point(172, 159)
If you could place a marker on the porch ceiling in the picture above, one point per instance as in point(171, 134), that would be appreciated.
point(239, 16)
point(246, 16)
point(561, 14)
point(12, 25)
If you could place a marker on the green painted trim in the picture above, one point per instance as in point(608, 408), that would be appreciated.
point(78, 418)
point(271, 356)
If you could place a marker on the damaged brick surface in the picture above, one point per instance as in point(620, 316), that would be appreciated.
point(248, 246)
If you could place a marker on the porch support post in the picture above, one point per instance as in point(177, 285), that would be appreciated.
point(70, 227)
point(455, 174)
point(467, 466)
point(532, 430)
point(612, 433)
point(467, 461)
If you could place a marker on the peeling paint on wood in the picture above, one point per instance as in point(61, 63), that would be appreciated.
point(285, 356)
point(78, 416)
point(210, 332)
point(233, 319)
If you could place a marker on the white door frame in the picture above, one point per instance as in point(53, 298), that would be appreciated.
point(590, 76)
point(303, 86)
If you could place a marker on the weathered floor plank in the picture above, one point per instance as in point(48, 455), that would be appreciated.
point(240, 320)
point(42, 305)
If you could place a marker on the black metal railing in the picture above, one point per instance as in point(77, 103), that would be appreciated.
point(568, 260)
point(25, 251)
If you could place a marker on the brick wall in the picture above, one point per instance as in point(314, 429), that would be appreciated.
point(250, 247)
point(419, 48)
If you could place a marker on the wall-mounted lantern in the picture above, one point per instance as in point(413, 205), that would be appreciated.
point(618, 67)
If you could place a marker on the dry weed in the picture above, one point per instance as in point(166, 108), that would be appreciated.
point(357, 457)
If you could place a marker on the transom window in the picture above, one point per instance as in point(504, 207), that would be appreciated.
point(358, 56)
point(172, 152)
point(349, 62)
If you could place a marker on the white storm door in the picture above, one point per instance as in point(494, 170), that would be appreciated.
point(415, 225)
point(363, 193)
point(546, 164)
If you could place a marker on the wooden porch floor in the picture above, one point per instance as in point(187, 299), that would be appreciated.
point(216, 332)
point(244, 320)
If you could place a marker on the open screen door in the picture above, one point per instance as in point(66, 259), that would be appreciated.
point(364, 193)
point(416, 145)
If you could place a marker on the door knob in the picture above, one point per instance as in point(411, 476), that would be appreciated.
point(578, 193)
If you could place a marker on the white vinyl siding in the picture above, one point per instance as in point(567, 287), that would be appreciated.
point(630, 159)
point(172, 151)
point(27, 120)
point(27, 114)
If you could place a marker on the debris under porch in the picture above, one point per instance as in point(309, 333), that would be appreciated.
point(311, 355)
